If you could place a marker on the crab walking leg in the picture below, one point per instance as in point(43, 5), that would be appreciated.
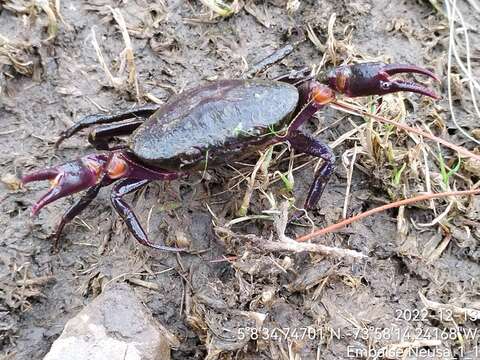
point(123, 209)
point(305, 144)
point(100, 135)
point(142, 112)
point(74, 210)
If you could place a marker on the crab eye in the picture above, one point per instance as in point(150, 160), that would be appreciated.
point(384, 85)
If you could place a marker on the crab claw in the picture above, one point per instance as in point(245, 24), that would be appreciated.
point(374, 79)
point(66, 179)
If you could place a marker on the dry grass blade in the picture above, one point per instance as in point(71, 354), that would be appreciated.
point(29, 8)
point(452, 12)
point(59, 14)
point(52, 29)
point(348, 164)
point(146, 284)
point(428, 183)
point(114, 81)
point(331, 48)
point(223, 8)
point(312, 36)
point(127, 53)
point(440, 217)
point(242, 211)
point(292, 5)
point(127, 59)
point(438, 251)
point(337, 48)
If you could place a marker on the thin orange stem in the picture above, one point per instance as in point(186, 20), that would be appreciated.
point(395, 204)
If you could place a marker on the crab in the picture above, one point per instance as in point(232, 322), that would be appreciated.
point(207, 126)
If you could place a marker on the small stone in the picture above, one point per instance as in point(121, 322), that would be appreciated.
point(476, 133)
point(472, 166)
point(268, 296)
point(114, 326)
point(11, 181)
point(287, 263)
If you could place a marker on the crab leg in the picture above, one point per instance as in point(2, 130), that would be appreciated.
point(142, 112)
point(123, 209)
point(305, 144)
point(74, 210)
point(100, 135)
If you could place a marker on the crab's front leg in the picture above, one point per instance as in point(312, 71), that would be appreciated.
point(91, 173)
point(351, 80)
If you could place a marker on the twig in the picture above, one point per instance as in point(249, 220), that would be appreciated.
point(146, 284)
point(349, 180)
point(293, 246)
point(286, 243)
point(395, 204)
point(39, 281)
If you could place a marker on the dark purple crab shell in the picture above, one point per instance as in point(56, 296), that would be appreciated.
point(202, 125)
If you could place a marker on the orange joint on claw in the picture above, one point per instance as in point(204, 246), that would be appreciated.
point(323, 95)
point(117, 167)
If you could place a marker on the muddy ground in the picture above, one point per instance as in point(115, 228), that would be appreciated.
point(408, 284)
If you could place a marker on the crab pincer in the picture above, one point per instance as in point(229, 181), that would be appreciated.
point(376, 79)
point(68, 178)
